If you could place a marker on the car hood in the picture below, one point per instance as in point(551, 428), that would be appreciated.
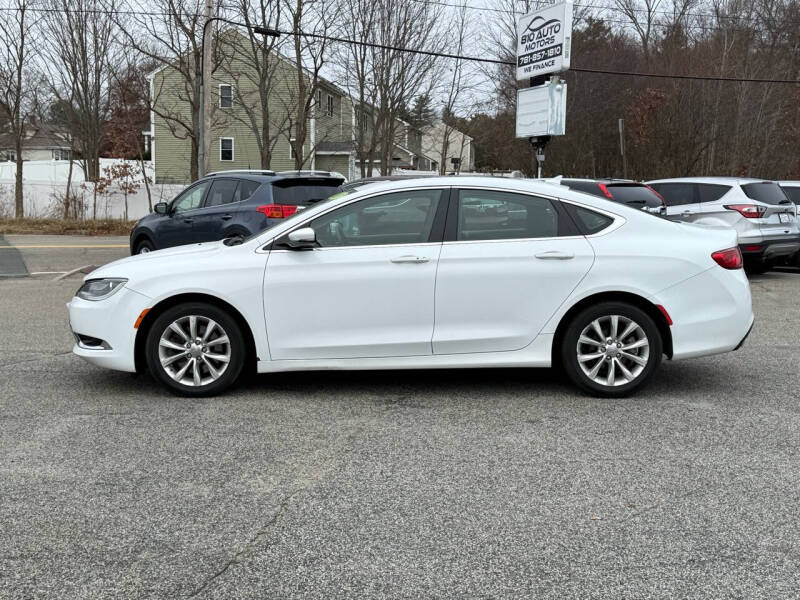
point(164, 261)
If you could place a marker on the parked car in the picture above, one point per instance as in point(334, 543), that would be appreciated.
point(792, 190)
point(413, 274)
point(230, 203)
point(763, 217)
point(624, 191)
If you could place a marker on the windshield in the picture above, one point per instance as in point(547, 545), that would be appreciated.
point(767, 192)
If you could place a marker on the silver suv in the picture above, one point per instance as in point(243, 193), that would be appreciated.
point(762, 215)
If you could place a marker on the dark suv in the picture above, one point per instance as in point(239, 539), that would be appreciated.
point(624, 191)
point(230, 204)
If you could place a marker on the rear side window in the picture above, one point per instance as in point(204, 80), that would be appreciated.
point(675, 194)
point(708, 192)
point(767, 192)
point(636, 195)
point(246, 189)
point(222, 192)
point(302, 192)
point(793, 193)
point(491, 215)
point(589, 221)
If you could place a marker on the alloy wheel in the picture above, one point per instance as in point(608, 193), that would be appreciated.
point(194, 350)
point(613, 350)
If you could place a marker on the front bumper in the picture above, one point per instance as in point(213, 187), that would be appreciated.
point(110, 321)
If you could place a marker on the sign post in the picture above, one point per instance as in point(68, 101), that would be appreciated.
point(544, 46)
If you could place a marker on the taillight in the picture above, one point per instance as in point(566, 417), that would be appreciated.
point(277, 211)
point(730, 258)
point(750, 211)
point(605, 191)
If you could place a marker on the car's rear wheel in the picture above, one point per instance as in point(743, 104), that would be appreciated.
point(195, 349)
point(144, 246)
point(611, 349)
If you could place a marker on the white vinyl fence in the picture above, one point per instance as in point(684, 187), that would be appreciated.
point(44, 185)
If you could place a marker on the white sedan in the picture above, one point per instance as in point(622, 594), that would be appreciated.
point(428, 273)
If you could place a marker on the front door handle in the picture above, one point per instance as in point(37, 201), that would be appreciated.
point(227, 217)
point(410, 259)
point(555, 255)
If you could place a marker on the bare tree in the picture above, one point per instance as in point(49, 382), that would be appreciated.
point(17, 90)
point(173, 41)
point(252, 61)
point(310, 17)
point(80, 42)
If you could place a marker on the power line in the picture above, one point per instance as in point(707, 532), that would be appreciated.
point(477, 59)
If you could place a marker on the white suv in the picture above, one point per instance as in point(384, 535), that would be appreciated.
point(762, 215)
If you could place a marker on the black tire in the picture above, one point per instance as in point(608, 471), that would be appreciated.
point(237, 350)
point(603, 312)
point(144, 246)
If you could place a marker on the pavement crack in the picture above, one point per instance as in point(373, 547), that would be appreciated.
point(36, 359)
point(247, 550)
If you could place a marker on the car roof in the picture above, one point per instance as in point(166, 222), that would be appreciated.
point(265, 176)
point(790, 183)
point(707, 179)
point(609, 180)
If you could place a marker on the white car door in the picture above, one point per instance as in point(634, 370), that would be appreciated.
point(508, 262)
point(367, 289)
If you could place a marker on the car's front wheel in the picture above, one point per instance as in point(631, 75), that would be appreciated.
point(195, 349)
point(611, 349)
point(144, 246)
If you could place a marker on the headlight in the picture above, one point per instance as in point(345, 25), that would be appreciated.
point(99, 289)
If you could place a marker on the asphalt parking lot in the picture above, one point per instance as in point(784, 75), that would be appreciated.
point(425, 484)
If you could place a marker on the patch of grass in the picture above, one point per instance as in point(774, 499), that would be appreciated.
point(67, 226)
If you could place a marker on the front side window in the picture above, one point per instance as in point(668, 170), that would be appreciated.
point(222, 192)
point(495, 215)
point(225, 96)
point(191, 198)
point(675, 194)
point(792, 192)
point(397, 218)
point(226, 149)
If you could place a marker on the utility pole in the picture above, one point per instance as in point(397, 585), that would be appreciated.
point(205, 112)
point(621, 124)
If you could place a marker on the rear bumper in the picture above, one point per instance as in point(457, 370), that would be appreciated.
point(770, 249)
point(711, 312)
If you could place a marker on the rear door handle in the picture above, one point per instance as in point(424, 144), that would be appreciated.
point(687, 213)
point(410, 259)
point(188, 220)
point(227, 217)
point(555, 255)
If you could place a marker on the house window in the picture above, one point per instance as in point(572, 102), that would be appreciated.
point(291, 148)
point(60, 154)
point(11, 155)
point(319, 99)
point(226, 149)
point(329, 111)
point(225, 96)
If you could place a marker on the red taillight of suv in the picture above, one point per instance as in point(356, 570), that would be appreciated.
point(277, 211)
point(750, 211)
point(730, 258)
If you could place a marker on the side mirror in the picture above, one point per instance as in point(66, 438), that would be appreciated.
point(304, 238)
point(161, 208)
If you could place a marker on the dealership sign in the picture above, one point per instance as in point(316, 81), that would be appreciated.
point(542, 110)
point(544, 38)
